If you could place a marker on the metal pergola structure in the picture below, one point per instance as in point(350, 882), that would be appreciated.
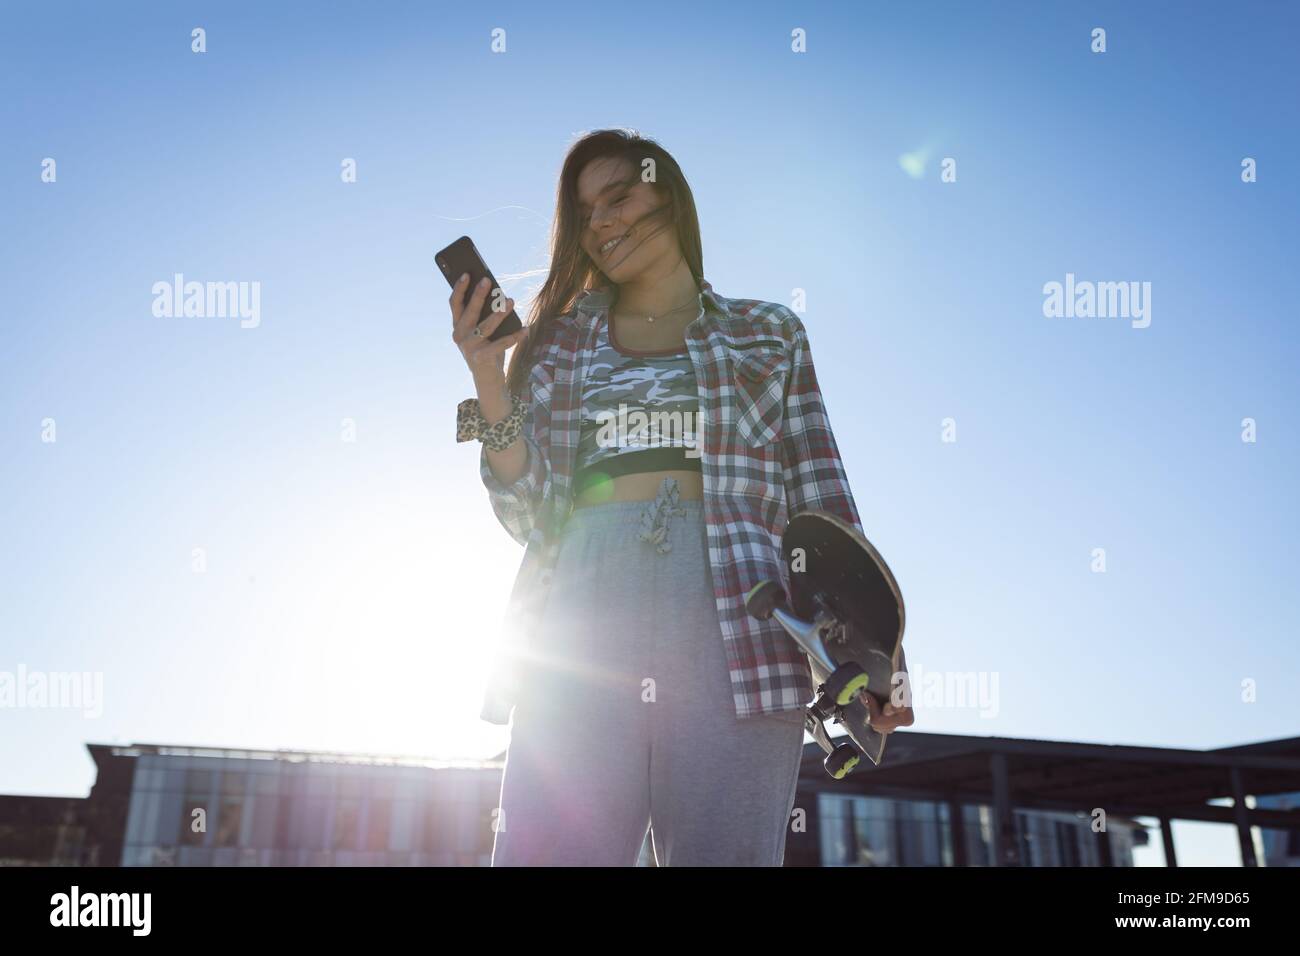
point(1007, 773)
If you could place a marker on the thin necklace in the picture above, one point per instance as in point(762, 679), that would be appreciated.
point(650, 318)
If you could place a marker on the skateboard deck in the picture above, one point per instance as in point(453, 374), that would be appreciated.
point(845, 610)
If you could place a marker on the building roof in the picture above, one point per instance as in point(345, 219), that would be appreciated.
point(104, 751)
point(1064, 775)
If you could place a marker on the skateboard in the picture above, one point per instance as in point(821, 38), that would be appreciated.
point(846, 612)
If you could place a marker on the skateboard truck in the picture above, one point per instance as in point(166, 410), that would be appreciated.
point(845, 612)
point(845, 683)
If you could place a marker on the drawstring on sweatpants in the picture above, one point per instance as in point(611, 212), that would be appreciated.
point(654, 517)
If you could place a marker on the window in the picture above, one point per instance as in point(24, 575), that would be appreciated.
point(229, 822)
point(377, 824)
point(346, 817)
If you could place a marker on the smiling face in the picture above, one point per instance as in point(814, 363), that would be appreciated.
point(627, 228)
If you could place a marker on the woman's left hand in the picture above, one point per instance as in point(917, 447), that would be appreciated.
point(891, 718)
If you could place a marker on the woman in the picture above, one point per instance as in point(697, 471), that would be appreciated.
point(642, 693)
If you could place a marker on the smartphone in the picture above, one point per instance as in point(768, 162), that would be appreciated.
point(461, 257)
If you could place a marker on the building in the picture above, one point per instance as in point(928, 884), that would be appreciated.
point(877, 831)
point(1281, 847)
point(158, 805)
point(953, 800)
point(938, 800)
point(41, 831)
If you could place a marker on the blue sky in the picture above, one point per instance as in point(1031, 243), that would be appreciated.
point(347, 583)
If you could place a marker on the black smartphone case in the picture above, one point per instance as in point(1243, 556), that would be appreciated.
point(461, 257)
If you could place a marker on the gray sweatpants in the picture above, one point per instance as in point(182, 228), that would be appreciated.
point(626, 720)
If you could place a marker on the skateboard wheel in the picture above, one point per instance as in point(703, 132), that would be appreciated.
point(839, 763)
point(846, 682)
point(764, 598)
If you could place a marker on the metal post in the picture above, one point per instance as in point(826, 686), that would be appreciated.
point(1242, 815)
point(957, 831)
point(1103, 847)
point(1167, 835)
point(1005, 850)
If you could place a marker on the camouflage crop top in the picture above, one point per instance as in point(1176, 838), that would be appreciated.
point(640, 412)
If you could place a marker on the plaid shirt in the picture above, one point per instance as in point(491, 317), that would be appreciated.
point(767, 453)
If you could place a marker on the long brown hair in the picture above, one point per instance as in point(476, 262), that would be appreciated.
point(572, 270)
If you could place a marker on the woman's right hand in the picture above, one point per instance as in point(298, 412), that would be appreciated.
point(485, 358)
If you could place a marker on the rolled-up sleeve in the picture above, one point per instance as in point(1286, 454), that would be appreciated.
point(515, 504)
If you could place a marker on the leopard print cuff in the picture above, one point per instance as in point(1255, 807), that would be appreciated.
point(471, 424)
